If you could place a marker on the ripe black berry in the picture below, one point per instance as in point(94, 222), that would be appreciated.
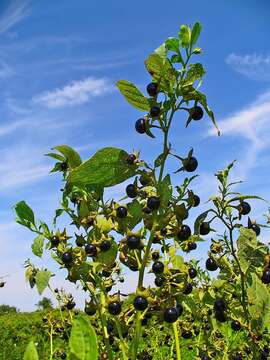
point(114, 308)
point(156, 239)
point(235, 325)
point(211, 264)
point(158, 267)
point(221, 316)
point(130, 159)
point(121, 212)
point(144, 179)
point(133, 242)
point(105, 245)
point(146, 210)
point(196, 200)
point(140, 303)
point(179, 309)
point(192, 246)
point(184, 232)
point(204, 228)
point(67, 258)
point(70, 305)
point(90, 249)
point(153, 203)
point(152, 89)
point(154, 111)
point(140, 126)
point(55, 241)
point(188, 289)
point(219, 305)
point(110, 327)
point(170, 315)
point(196, 113)
point(255, 228)
point(159, 281)
point(131, 191)
point(155, 255)
point(192, 273)
point(90, 309)
point(244, 208)
point(64, 166)
point(190, 164)
point(186, 334)
point(266, 276)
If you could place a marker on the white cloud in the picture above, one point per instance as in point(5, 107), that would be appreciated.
point(14, 13)
point(255, 66)
point(75, 93)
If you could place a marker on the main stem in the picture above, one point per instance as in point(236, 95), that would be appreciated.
point(177, 343)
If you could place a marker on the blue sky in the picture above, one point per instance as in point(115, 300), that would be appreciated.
point(59, 61)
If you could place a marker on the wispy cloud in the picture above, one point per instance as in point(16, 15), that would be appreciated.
point(16, 11)
point(75, 93)
point(255, 66)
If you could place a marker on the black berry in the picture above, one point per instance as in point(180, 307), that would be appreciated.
point(235, 325)
point(140, 303)
point(105, 245)
point(121, 212)
point(159, 281)
point(188, 289)
point(221, 316)
point(204, 228)
point(190, 164)
point(196, 200)
point(64, 166)
point(114, 308)
point(55, 241)
point(192, 246)
point(266, 276)
point(244, 208)
point(219, 305)
point(211, 264)
point(196, 113)
point(184, 232)
point(63, 355)
point(255, 228)
point(133, 242)
point(130, 159)
point(153, 203)
point(90, 309)
point(70, 305)
point(67, 258)
point(192, 273)
point(90, 249)
point(140, 126)
point(152, 89)
point(155, 255)
point(154, 111)
point(170, 315)
point(186, 334)
point(158, 267)
point(131, 191)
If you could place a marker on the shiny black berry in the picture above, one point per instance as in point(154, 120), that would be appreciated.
point(154, 111)
point(159, 281)
point(90, 309)
point(188, 289)
point(114, 308)
point(190, 164)
point(192, 273)
point(184, 232)
point(204, 228)
point(70, 305)
point(140, 126)
point(211, 264)
point(158, 267)
point(196, 113)
point(170, 315)
point(140, 303)
point(67, 258)
point(131, 191)
point(255, 228)
point(90, 249)
point(152, 89)
point(221, 316)
point(155, 255)
point(105, 245)
point(130, 159)
point(219, 305)
point(121, 212)
point(153, 203)
point(63, 355)
point(244, 208)
point(235, 325)
point(266, 276)
point(133, 242)
point(64, 166)
point(55, 241)
point(192, 246)
point(186, 334)
point(196, 200)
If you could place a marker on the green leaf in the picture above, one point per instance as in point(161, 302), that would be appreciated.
point(107, 167)
point(200, 219)
point(135, 214)
point(196, 31)
point(195, 72)
point(56, 156)
point(42, 280)
point(173, 44)
point(37, 246)
point(162, 51)
point(165, 190)
point(83, 341)
point(108, 257)
point(24, 213)
point(105, 225)
point(250, 253)
point(185, 36)
point(133, 95)
point(73, 158)
point(30, 352)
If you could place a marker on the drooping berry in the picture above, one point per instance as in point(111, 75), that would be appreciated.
point(192, 273)
point(235, 325)
point(219, 305)
point(170, 315)
point(152, 89)
point(131, 159)
point(159, 281)
point(131, 191)
point(188, 289)
point(121, 212)
point(90, 249)
point(221, 316)
point(196, 200)
point(204, 228)
point(140, 303)
point(266, 276)
point(196, 113)
point(255, 228)
point(105, 245)
point(55, 241)
point(186, 334)
point(192, 246)
point(140, 126)
point(154, 111)
point(153, 203)
point(190, 164)
point(133, 242)
point(158, 267)
point(63, 355)
point(70, 305)
point(184, 232)
point(244, 208)
point(67, 258)
point(211, 264)
point(114, 307)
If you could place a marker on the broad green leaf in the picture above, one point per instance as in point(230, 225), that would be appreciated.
point(42, 280)
point(135, 214)
point(56, 156)
point(195, 72)
point(83, 341)
point(199, 220)
point(165, 190)
point(185, 36)
point(108, 257)
point(30, 352)
point(250, 253)
point(133, 95)
point(196, 30)
point(107, 167)
point(73, 158)
point(172, 44)
point(37, 246)
point(105, 225)
point(24, 212)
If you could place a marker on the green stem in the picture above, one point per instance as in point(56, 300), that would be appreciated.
point(177, 343)
point(104, 327)
point(122, 342)
point(138, 330)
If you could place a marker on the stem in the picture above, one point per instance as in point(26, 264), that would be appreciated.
point(138, 330)
point(177, 343)
point(51, 342)
point(104, 327)
point(122, 342)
